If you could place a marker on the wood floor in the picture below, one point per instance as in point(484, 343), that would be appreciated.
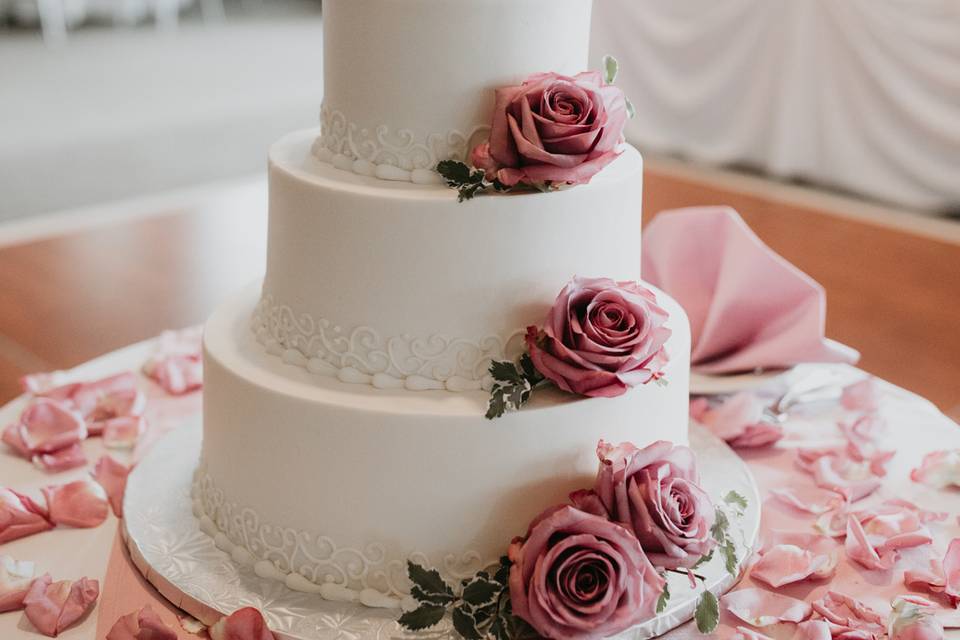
point(893, 291)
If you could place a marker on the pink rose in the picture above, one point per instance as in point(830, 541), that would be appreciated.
point(655, 493)
point(601, 337)
point(577, 575)
point(555, 128)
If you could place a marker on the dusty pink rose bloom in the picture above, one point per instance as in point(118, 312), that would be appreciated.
point(655, 493)
point(577, 575)
point(20, 516)
point(601, 337)
point(554, 128)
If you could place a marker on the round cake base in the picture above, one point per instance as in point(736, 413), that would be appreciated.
point(183, 563)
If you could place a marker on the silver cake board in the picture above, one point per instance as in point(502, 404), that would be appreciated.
point(182, 562)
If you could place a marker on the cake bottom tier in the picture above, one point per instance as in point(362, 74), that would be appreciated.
point(332, 487)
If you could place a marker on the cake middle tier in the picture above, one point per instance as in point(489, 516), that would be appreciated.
point(396, 283)
point(333, 487)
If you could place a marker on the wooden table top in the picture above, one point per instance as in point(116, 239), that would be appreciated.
point(64, 300)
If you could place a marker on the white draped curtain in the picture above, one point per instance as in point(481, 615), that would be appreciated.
point(862, 95)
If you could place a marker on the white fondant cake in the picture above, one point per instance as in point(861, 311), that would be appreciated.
point(344, 428)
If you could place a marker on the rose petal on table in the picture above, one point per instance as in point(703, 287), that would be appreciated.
point(100, 398)
point(923, 515)
point(15, 580)
point(912, 618)
point(37, 383)
point(53, 606)
point(20, 516)
point(47, 425)
point(761, 434)
point(785, 564)
point(849, 614)
point(762, 608)
point(951, 570)
point(746, 633)
point(62, 459)
point(144, 624)
point(860, 549)
point(191, 624)
point(242, 624)
point(112, 476)
point(128, 402)
point(14, 440)
point(123, 432)
point(810, 499)
point(814, 630)
point(81, 504)
point(176, 374)
point(939, 469)
point(854, 481)
point(862, 395)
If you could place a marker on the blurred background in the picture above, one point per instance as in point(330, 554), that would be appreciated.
point(107, 99)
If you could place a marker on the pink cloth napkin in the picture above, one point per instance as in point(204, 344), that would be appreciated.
point(748, 307)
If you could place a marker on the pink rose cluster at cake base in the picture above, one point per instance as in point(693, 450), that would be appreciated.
point(601, 337)
point(553, 129)
point(587, 570)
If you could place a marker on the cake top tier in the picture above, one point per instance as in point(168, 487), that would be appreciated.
point(408, 83)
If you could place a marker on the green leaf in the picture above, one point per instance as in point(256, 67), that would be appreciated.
point(610, 69)
point(481, 593)
point(428, 582)
point(704, 559)
point(496, 406)
point(454, 172)
point(708, 612)
point(720, 526)
point(504, 371)
point(465, 624)
point(529, 371)
point(735, 499)
point(729, 552)
point(503, 571)
point(422, 617)
point(662, 382)
point(631, 110)
point(664, 598)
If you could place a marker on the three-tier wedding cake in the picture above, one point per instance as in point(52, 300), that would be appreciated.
point(345, 396)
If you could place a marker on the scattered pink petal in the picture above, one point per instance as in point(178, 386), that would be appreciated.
point(861, 442)
point(125, 403)
point(144, 624)
point(177, 366)
point(81, 504)
point(123, 432)
point(761, 434)
point(112, 476)
point(912, 618)
point(761, 608)
point(810, 499)
point(852, 480)
point(102, 398)
point(242, 624)
point(47, 425)
point(860, 549)
point(15, 580)
point(20, 516)
point(951, 570)
point(38, 383)
point(847, 615)
point(861, 396)
point(12, 438)
point(53, 606)
point(924, 515)
point(939, 469)
point(834, 523)
point(739, 420)
point(191, 624)
point(746, 633)
point(814, 630)
point(69, 457)
point(785, 564)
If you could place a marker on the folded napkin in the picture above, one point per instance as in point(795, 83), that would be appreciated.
point(748, 307)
